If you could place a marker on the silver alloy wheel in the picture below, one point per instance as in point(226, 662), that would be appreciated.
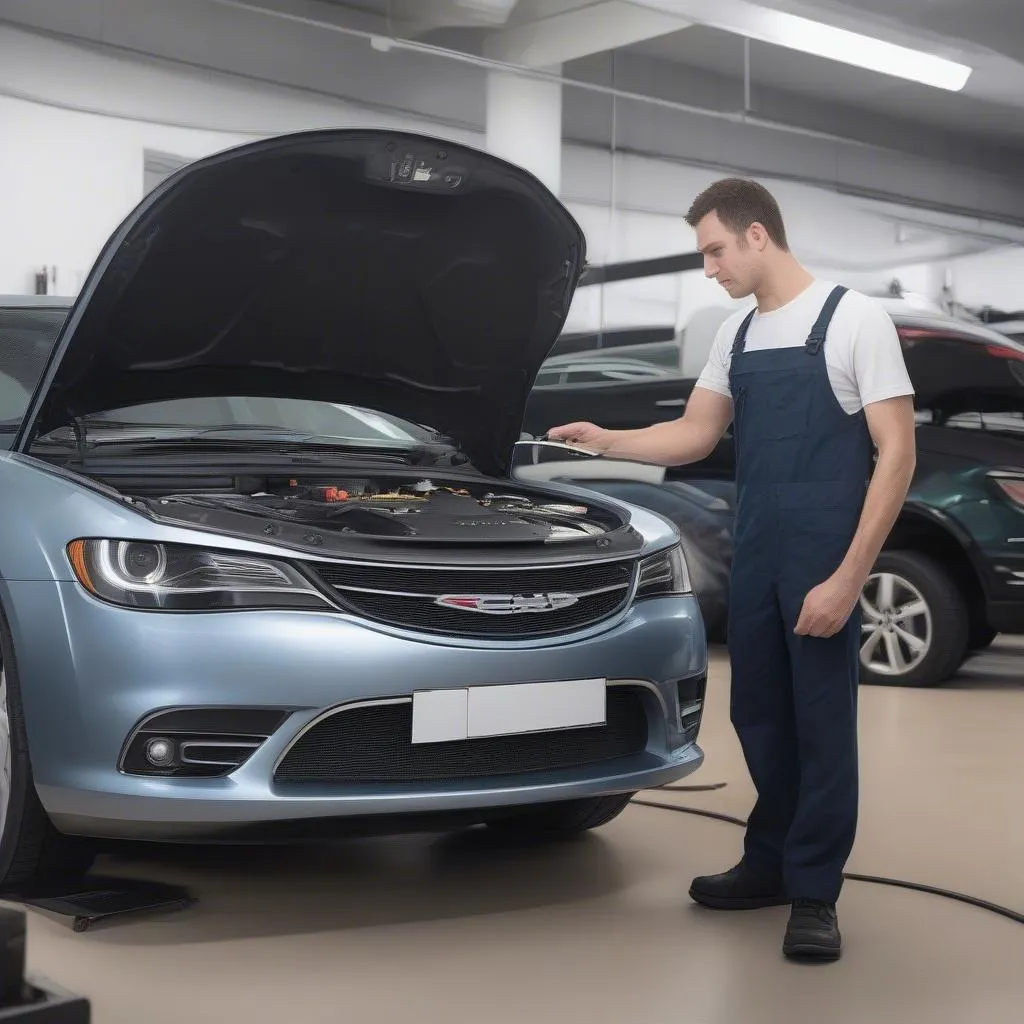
point(6, 753)
point(897, 625)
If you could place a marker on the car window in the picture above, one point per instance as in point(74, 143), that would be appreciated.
point(1001, 422)
point(27, 334)
point(547, 376)
point(959, 378)
point(599, 370)
point(603, 376)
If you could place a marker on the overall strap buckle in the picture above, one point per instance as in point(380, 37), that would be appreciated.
point(816, 339)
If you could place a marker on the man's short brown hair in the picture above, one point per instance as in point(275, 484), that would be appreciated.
point(739, 202)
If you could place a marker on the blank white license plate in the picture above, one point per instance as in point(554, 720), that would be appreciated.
point(440, 716)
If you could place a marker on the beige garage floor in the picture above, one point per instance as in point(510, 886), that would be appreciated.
point(462, 929)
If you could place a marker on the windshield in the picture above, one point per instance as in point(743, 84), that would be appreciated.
point(28, 332)
point(257, 416)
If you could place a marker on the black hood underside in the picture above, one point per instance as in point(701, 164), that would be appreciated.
point(380, 269)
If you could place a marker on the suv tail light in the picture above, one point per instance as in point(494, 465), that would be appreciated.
point(993, 348)
point(1005, 352)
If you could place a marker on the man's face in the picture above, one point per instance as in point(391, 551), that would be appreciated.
point(734, 261)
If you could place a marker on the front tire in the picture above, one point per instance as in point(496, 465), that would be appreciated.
point(915, 623)
point(32, 851)
point(564, 820)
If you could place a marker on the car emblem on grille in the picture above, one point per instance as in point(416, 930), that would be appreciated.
point(507, 604)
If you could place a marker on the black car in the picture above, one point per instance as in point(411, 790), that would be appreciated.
point(951, 575)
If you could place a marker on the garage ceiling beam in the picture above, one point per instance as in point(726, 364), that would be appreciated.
point(555, 35)
point(416, 17)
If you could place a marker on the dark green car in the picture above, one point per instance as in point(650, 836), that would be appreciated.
point(951, 576)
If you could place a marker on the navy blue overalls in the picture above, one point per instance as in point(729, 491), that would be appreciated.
point(803, 466)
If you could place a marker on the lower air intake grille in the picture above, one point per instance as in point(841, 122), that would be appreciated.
point(373, 744)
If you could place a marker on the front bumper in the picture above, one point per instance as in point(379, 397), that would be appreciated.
point(1005, 591)
point(103, 669)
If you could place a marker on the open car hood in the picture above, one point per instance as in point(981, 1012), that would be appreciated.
point(375, 268)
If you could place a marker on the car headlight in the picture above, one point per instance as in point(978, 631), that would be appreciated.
point(174, 577)
point(664, 573)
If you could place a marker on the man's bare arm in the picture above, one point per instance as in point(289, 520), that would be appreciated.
point(678, 442)
point(827, 607)
point(891, 423)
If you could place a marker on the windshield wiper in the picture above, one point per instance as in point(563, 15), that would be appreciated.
point(137, 431)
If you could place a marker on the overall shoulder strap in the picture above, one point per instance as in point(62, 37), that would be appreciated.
point(816, 338)
point(741, 334)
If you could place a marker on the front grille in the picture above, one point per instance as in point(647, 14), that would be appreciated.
point(373, 744)
point(405, 596)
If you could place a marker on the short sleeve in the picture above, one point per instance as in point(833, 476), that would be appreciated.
point(715, 375)
point(876, 355)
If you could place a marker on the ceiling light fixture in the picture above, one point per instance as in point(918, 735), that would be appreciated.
point(819, 39)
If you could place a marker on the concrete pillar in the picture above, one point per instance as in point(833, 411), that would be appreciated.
point(524, 123)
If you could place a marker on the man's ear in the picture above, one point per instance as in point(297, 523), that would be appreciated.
point(757, 236)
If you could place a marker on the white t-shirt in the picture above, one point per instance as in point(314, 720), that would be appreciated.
point(862, 349)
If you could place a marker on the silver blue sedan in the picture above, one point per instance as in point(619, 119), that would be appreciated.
point(273, 563)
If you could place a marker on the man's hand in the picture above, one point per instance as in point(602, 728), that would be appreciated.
point(675, 442)
point(827, 607)
point(586, 435)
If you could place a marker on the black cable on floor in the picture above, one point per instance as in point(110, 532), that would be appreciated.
point(694, 789)
point(899, 883)
point(716, 815)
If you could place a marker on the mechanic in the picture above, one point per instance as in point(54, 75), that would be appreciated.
point(814, 382)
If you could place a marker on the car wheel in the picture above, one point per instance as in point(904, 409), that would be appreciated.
point(32, 851)
point(915, 623)
point(563, 820)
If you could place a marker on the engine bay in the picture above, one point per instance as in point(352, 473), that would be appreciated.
point(440, 512)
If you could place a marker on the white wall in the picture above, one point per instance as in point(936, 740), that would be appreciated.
point(995, 278)
point(67, 180)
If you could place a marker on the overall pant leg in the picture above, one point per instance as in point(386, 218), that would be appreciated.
point(825, 674)
point(761, 708)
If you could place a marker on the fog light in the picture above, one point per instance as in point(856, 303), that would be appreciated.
point(691, 693)
point(160, 752)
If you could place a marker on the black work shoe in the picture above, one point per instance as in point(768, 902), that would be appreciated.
point(740, 888)
point(813, 931)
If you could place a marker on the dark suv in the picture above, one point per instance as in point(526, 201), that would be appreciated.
point(951, 575)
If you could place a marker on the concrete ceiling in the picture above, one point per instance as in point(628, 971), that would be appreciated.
point(814, 121)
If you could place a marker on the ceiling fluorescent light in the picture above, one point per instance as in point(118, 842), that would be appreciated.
point(815, 37)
